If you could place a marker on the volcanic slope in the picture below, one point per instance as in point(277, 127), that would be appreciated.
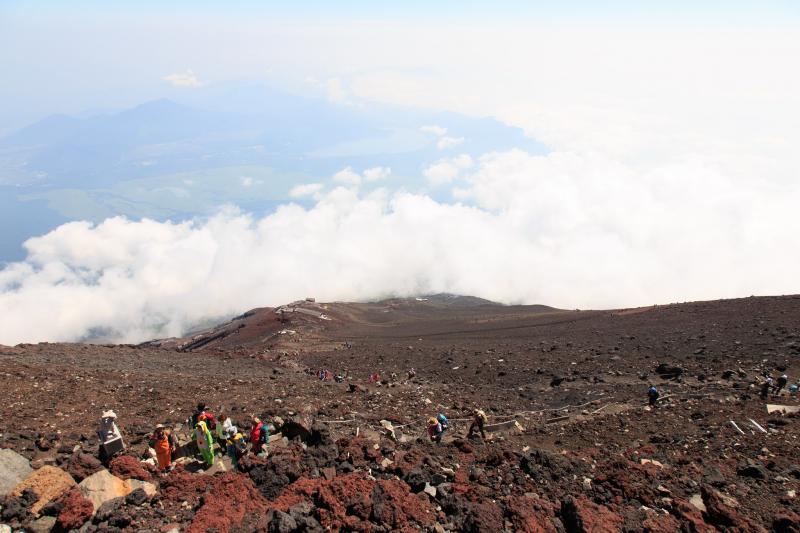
point(573, 445)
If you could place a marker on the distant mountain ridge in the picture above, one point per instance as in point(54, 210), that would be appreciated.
point(181, 158)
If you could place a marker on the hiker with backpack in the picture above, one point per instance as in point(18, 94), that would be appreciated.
point(435, 430)
point(259, 436)
point(202, 413)
point(652, 395)
point(443, 421)
point(780, 384)
point(479, 419)
point(164, 443)
point(235, 445)
point(766, 386)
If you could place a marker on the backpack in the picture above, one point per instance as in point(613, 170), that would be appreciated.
point(209, 419)
point(239, 445)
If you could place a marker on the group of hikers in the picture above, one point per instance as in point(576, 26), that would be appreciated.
point(208, 429)
point(769, 384)
point(323, 374)
point(437, 425)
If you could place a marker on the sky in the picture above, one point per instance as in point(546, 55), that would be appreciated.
point(670, 174)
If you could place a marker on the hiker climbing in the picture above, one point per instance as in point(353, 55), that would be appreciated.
point(412, 373)
point(374, 378)
point(259, 436)
point(110, 437)
point(443, 421)
point(781, 383)
point(479, 419)
point(224, 422)
point(163, 442)
point(205, 442)
point(652, 396)
point(435, 430)
point(766, 385)
point(235, 445)
point(203, 414)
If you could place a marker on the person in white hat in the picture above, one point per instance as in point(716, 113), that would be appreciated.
point(163, 443)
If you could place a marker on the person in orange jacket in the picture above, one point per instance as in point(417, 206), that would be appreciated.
point(163, 443)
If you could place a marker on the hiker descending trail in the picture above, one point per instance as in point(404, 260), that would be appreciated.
point(164, 445)
point(235, 445)
point(259, 436)
point(479, 420)
point(205, 442)
point(652, 396)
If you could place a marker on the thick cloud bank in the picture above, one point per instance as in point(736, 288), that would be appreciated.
point(564, 229)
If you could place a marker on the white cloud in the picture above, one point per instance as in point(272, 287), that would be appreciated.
point(446, 170)
point(436, 130)
point(335, 90)
point(248, 181)
point(565, 229)
point(377, 173)
point(347, 176)
point(449, 142)
point(184, 79)
point(305, 190)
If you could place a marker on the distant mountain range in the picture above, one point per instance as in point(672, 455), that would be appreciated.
point(64, 168)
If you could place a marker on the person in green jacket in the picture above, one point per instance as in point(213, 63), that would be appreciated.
point(205, 442)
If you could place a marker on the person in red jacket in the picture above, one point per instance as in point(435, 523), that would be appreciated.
point(259, 435)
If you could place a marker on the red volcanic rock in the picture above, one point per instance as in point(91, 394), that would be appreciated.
point(531, 515)
point(127, 467)
point(660, 523)
point(358, 450)
point(725, 516)
point(584, 516)
point(231, 500)
point(394, 505)
point(406, 461)
point(484, 516)
point(223, 501)
point(626, 480)
point(351, 501)
point(75, 510)
point(690, 517)
point(82, 465)
point(345, 501)
point(786, 522)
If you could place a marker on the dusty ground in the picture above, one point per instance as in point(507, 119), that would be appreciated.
point(535, 365)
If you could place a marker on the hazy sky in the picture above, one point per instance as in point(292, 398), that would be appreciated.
point(672, 173)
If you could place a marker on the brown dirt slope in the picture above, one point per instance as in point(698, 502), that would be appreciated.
point(587, 455)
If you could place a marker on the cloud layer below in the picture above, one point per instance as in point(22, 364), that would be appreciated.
point(565, 229)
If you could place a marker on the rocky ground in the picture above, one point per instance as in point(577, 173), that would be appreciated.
point(574, 446)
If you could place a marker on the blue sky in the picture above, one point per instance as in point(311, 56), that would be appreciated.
point(443, 9)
